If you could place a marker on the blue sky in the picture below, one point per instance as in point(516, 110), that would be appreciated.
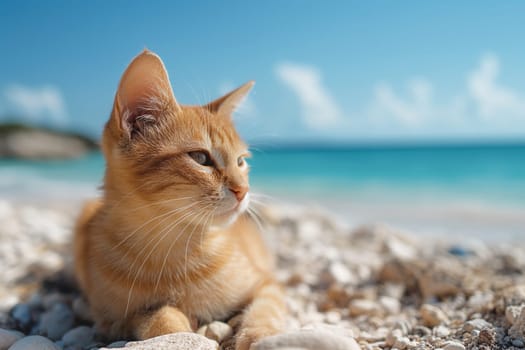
point(325, 70)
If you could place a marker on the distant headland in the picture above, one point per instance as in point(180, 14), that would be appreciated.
point(22, 141)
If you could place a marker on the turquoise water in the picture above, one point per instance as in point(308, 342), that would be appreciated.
point(484, 173)
point(491, 173)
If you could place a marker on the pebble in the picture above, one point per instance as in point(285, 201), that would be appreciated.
point(441, 331)
point(81, 309)
point(218, 331)
point(476, 324)
point(390, 305)
point(432, 315)
point(117, 344)
point(334, 278)
point(179, 341)
point(512, 313)
point(518, 328)
point(454, 346)
point(363, 307)
point(34, 342)
point(341, 274)
point(423, 331)
point(57, 321)
point(79, 336)
point(459, 251)
point(403, 343)
point(399, 249)
point(393, 336)
point(306, 340)
point(333, 317)
point(22, 314)
point(8, 338)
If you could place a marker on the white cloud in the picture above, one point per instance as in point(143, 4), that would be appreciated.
point(482, 98)
point(37, 104)
point(413, 110)
point(493, 100)
point(319, 109)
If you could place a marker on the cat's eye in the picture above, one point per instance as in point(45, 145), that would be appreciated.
point(201, 157)
point(240, 161)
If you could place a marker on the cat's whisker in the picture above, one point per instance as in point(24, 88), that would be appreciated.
point(168, 214)
point(210, 217)
point(173, 243)
point(262, 197)
point(186, 212)
point(166, 232)
point(188, 240)
point(161, 202)
point(256, 218)
point(137, 273)
point(127, 195)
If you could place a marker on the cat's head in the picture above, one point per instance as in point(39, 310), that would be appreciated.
point(188, 160)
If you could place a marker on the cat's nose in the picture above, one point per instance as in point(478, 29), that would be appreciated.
point(239, 191)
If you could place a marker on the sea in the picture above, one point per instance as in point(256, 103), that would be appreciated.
point(467, 190)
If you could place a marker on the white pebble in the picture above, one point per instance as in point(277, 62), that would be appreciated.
point(8, 338)
point(390, 305)
point(340, 273)
point(218, 331)
point(307, 340)
point(363, 307)
point(34, 342)
point(454, 346)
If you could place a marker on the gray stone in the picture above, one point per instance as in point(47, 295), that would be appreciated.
point(117, 344)
point(79, 336)
point(8, 338)
point(22, 314)
point(81, 309)
point(518, 343)
point(34, 342)
point(179, 341)
point(57, 321)
point(307, 340)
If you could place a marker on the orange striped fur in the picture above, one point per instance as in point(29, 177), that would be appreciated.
point(169, 245)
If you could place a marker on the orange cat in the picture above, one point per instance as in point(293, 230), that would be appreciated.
point(169, 245)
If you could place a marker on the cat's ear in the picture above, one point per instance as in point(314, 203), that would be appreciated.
point(144, 93)
point(226, 104)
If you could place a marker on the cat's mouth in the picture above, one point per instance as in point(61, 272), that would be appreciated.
point(234, 211)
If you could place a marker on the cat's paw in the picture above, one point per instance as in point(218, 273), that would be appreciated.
point(251, 335)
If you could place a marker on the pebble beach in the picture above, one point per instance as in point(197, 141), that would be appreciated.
point(366, 287)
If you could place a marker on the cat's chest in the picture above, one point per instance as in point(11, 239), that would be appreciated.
point(218, 295)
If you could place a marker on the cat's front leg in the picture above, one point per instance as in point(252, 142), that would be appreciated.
point(166, 320)
point(263, 317)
